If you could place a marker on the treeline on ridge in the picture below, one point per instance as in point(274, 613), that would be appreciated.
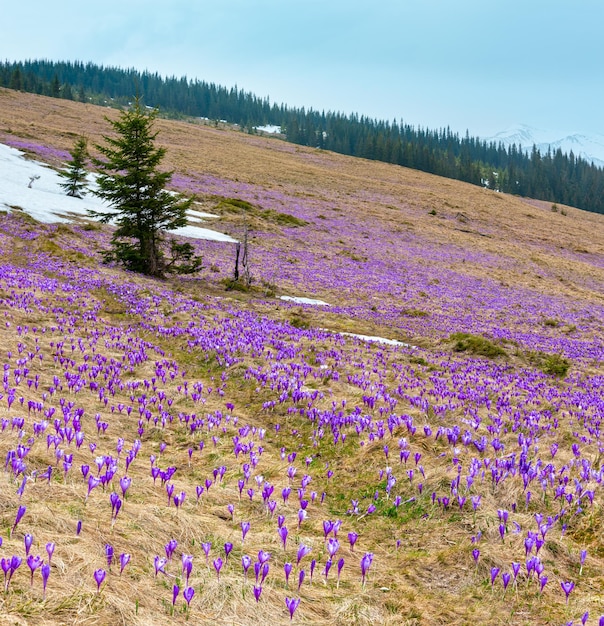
point(553, 176)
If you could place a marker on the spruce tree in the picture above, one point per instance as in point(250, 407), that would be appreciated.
point(140, 206)
point(75, 174)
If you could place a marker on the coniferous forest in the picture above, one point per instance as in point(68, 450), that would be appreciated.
point(554, 176)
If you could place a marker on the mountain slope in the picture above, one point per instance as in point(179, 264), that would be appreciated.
point(449, 475)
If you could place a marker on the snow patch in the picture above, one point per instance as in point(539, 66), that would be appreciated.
point(390, 342)
point(46, 201)
point(301, 300)
point(270, 128)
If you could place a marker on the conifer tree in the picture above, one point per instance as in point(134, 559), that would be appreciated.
point(75, 174)
point(140, 206)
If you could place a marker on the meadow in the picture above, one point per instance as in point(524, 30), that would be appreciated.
point(193, 450)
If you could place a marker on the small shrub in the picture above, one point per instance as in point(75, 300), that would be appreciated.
point(353, 256)
point(414, 313)
point(235, 285)
point(270, 289)
point(297, 320)
point(551, 364)
point(283, 219)
point(554, 208)
point(419, 360)
point(232, 204)
point(556, 365)
point(476, 344)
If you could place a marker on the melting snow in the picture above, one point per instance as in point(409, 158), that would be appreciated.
point(301, 300)
point(269, 129)
point(390, 342)
point(47, 202)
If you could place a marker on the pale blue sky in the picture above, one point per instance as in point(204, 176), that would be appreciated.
point(468, 64)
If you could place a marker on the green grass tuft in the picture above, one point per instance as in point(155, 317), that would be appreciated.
point(476, 344)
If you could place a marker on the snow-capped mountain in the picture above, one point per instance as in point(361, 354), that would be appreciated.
point(588, 147)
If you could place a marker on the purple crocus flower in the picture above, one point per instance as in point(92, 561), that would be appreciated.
point(170, 548)
point(228, 548)
point(494, 574)
point(28, 539)
point(125, 482)
point(476, 555)
point(302, 552)
point(340, 566)
point(93, 483)
point(169, 492)
point(245, 527)
point(567, 587)
point(124, 560)
point(328, 565)
point(45, 571)
point(263, 557)
point(79, 527)
point(301, 576)
point(287, 568)
point(188, 594)
point(264, 572)
point(99, 577)
point(582, 560)
point(159, 563)
point(283, 532)
point(506, 577)
point(206, 546)
point(542, 583)
point(218, 563)
point(175, 592)
point(5, 565)
point(187, 566)
point(109, 555)
point(366, 562)
point(34, 562)
point(352, 538)
point(14, 565)
point(116, 505)
point(257, 591)
point(50, 548)
point(246, 562)
point(20, 513)
point(313, 564)
point(333, 545)
point(292, 605)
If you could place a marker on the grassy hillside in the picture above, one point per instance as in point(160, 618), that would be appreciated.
point(465, 454)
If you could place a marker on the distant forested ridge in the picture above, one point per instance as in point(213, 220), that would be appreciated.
point(553, 176)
